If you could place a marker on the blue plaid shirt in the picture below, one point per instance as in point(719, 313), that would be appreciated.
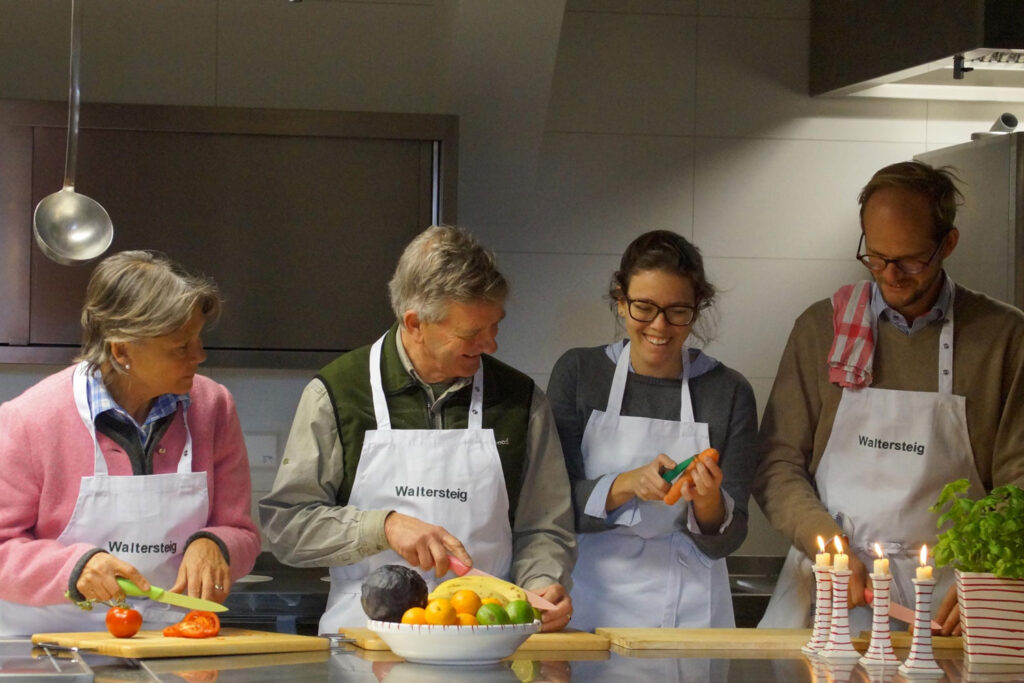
point(100, 401)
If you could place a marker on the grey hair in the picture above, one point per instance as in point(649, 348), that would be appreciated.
point(441, 265)
point(135, 295)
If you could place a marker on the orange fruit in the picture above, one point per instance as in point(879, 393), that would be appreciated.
point(414, 615)
point(440, 612)
point(491, 601)
point(466, 602)
point(463, 619)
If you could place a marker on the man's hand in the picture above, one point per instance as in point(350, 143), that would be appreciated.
point(858, 581)
point(98, 580)
point(423, 545)
point(949, 614)
point(558, 618)
point(203, 572)
point(644, 482)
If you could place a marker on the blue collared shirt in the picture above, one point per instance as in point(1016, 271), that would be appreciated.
point(882, 311)
point(100, 401)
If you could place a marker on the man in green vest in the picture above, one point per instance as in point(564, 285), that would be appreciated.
point(422, 446)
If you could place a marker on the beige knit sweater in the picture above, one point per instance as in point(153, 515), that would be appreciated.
point(988, 369)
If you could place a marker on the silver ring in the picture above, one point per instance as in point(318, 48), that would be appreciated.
point(219, 588)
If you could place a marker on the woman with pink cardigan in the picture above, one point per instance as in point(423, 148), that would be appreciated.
point(126, 464)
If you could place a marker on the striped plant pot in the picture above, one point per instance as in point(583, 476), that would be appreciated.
point(992, 614)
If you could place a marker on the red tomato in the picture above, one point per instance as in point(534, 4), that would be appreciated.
point(123, 622)
point(196, 624)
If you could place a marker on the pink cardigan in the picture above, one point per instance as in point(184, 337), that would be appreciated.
point(45, 450)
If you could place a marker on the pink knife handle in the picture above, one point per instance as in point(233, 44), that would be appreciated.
point(457, 566)
point(898, 611)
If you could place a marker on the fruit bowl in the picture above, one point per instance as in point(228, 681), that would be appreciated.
point(462, 645)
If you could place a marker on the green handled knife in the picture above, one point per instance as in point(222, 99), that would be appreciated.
point(161, 595)
point(677, 470)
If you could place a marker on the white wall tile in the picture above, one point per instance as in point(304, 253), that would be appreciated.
point(266, 399)
point(621, 73)
point(788, 9)
point(597, 192)
point(762, 539)
point(328, 55)
point(783, 198)
point(951, 123)
point(752, 82)
point(762, 389)
point(761, 298)
point(15, 379)
point(556, 303)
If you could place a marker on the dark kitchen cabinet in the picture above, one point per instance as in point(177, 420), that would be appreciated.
point(298, 215)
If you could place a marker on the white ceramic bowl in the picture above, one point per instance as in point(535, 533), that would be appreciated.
point(462, 645)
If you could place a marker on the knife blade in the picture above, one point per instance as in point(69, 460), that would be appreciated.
point(460, 569)
point(176, 599)
point(899, 612)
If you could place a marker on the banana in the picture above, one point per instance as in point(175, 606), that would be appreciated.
point(484, 586)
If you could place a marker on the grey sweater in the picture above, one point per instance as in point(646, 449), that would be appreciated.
point(580, 382)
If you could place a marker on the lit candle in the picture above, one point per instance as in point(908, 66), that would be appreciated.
point(841, 560)
point(822, 559)
point(924, 572)
point(882, 563)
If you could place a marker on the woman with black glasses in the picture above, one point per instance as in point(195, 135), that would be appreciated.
point(628, 413)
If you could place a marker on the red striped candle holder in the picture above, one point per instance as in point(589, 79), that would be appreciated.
point(880, 651)
point(921, 660)
point(992, 615)
point(839, 645)
point(822, 610)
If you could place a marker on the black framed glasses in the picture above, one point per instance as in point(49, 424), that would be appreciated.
point(645, 312)
point(908, 265)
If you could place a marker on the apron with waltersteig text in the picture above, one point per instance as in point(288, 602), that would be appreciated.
point(888, 456)
point(449, 477)
point(143, 520)
point(648, 574)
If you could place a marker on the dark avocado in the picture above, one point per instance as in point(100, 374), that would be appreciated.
point(392, 589)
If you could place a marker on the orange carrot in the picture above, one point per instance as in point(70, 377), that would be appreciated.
point(676, 492)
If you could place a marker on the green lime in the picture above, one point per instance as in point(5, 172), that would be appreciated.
point(536, 614)
point(490, 614)
point(520, 611)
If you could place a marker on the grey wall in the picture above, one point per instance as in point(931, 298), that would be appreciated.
point(583, 123)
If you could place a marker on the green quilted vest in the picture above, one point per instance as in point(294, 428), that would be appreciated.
point(507, 397)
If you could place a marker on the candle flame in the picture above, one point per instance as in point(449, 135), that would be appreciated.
point(924, 555)
point(878, 550)
point(821, 543)
point(838, 543)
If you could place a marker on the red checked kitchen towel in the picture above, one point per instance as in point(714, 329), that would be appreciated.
point(853, 346)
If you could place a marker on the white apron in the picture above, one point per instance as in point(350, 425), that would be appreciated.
point(649, 574)
point(888, 456)
point(449, 477)
point(143, 520)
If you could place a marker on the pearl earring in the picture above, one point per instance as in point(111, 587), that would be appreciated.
point(127, 366)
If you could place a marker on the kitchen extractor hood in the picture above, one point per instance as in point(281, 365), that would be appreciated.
point(921, 49)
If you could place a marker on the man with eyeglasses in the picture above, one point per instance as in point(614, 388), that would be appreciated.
point(875, 408)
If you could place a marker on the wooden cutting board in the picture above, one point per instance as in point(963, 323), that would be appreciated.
point(146, 644)
point(563, 640)
point(741, 639)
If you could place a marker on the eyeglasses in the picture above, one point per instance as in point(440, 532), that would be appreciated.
point(910, 266)
point(645, 312)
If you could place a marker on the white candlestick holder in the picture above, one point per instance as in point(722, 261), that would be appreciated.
point(880, 651)
point(822, 610)
point(839, 646)
point(921, 660)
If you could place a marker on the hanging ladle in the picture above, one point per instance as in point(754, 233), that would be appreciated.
point(69, 227)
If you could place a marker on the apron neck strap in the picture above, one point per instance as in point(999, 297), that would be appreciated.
point(618, 388)
point(80, 391)
point(380, 404)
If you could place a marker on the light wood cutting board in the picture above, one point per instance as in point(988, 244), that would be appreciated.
point(147, 644)
point(563, 640)
point(740, 639)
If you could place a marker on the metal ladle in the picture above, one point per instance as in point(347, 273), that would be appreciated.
point(69, 227)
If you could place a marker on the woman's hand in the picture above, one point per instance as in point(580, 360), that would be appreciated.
point(644, 482)
point(203, 572)
point(705, 495)
point(98, 580)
